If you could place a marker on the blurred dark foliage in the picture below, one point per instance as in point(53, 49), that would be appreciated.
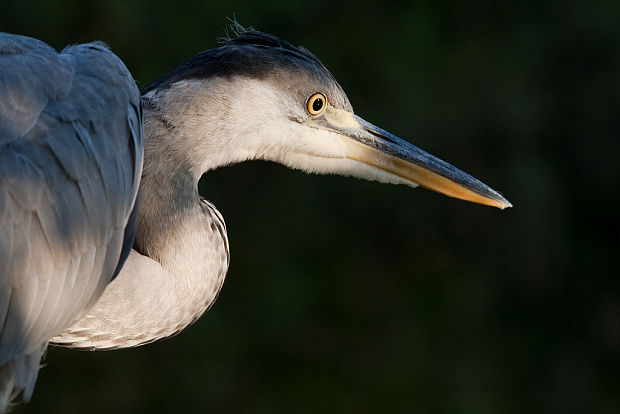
point(347, 296)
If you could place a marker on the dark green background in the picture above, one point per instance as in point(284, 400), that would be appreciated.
point(347, 296)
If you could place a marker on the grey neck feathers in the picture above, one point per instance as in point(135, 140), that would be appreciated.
point(182, 255)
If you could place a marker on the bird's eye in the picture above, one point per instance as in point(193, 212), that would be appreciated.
point(316, 104)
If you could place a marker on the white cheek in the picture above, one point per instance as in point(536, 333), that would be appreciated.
point(316, 142)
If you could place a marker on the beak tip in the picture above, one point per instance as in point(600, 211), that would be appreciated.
point(503, 204)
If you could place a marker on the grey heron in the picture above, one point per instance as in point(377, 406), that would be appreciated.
point(88, 261)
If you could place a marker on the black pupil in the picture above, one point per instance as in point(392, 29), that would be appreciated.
point(317, 104)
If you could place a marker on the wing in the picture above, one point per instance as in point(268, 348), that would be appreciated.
point(70, 165)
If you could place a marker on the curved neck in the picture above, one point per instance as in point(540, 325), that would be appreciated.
point(180, 263)
point(168, 205)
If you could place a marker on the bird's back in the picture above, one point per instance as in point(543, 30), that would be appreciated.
point(70, 164)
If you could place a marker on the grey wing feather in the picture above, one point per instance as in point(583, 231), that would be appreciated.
point(70, 165)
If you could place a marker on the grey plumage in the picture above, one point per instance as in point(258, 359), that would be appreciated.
point(70, 162)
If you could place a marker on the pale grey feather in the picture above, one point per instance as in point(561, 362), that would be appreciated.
point(70, 164)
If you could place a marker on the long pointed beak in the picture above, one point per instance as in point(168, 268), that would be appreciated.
point(376, 147)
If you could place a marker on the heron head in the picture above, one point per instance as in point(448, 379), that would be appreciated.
point(281, 104)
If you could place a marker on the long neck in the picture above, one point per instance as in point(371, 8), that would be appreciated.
point(181, 259)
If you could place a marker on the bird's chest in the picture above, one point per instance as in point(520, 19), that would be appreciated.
point(208, 256)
